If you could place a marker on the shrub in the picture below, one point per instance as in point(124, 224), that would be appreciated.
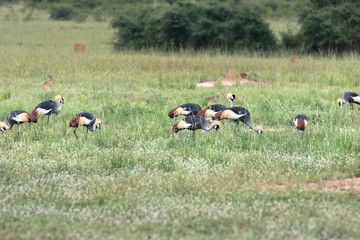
point(194, 25)
point(331, 26)
point(61, 13)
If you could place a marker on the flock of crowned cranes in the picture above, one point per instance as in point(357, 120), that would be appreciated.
point(196, 118)
point(49, 107)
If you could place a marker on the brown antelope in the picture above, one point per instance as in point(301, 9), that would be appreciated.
point(79, 47)
point(293, 58)
point(48, 84)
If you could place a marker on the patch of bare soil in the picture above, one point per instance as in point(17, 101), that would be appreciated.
point(231, 78)
point(205, 84)
point(338, 185)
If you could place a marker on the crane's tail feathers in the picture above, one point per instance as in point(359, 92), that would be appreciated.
point(202, 112)
point(172, 113)
point(74, 122)
point(175, 128)
point(34, 113)
point(31, 117)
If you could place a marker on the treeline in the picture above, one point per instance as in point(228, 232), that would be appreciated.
point(327, 26)
point(196, 26)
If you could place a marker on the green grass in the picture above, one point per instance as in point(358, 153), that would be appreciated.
point(135, 178)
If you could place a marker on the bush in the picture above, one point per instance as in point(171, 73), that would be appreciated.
point(61, 13)
point(331, 26)
point(196, 26)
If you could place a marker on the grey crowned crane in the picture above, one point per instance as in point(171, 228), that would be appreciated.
point(350, 97)
point(17, 117)
point(87, 120)
point(185, 109)
point(195, 122)
point(211, 110)
point(237, 114)
point(300, 122)
point(48, 107)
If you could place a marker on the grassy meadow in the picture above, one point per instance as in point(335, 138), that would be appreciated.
point(135, 179)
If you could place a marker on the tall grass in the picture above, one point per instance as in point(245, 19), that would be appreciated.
point(135, 178)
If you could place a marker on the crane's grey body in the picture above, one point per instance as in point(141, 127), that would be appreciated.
point(189, 109)
point(195, 122)
point(244, 117)
point(349, 97)
point(12, 118)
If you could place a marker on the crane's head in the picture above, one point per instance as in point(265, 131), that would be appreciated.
point(340, 101)
point(74, 122)
point(231, 96)
point(31, 117)
point(3, 126)
point(98, 124)
point(59, 98)
point(216, 125)
point(258, 130)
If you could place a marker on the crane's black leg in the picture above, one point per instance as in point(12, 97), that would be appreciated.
point(48, 119)
point(87, 129)
point(193, 135)
point(18, 133)
point(236, 126)
point(302, 136)
point(351, 106)
point(75, 134)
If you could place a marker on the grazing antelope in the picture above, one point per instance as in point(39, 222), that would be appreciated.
point(48, 84)
point(293, 58)
point(185, 109)
point(237, 114)
point(87, 120)
point(350, 97)
point(193, 123)
point(17, 117)
point(211, 110)
point(48, 107)
point(80, 47)
point(300, 122)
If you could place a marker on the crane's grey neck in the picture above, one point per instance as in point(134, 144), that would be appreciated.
point(93, 127)
point(250, 125)
point(58, 109)
point(231, 102)
point(8, 127)
point(206, 128)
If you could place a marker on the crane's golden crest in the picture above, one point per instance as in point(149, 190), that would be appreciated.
point(58, 98)
point(339, 101)
point(179, 111)
point(2, 124)
point(228, 96)
point(98, 121)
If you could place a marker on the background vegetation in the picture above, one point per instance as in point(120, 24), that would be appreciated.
point(135, 178)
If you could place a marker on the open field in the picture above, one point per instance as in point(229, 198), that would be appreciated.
point(135, 179)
